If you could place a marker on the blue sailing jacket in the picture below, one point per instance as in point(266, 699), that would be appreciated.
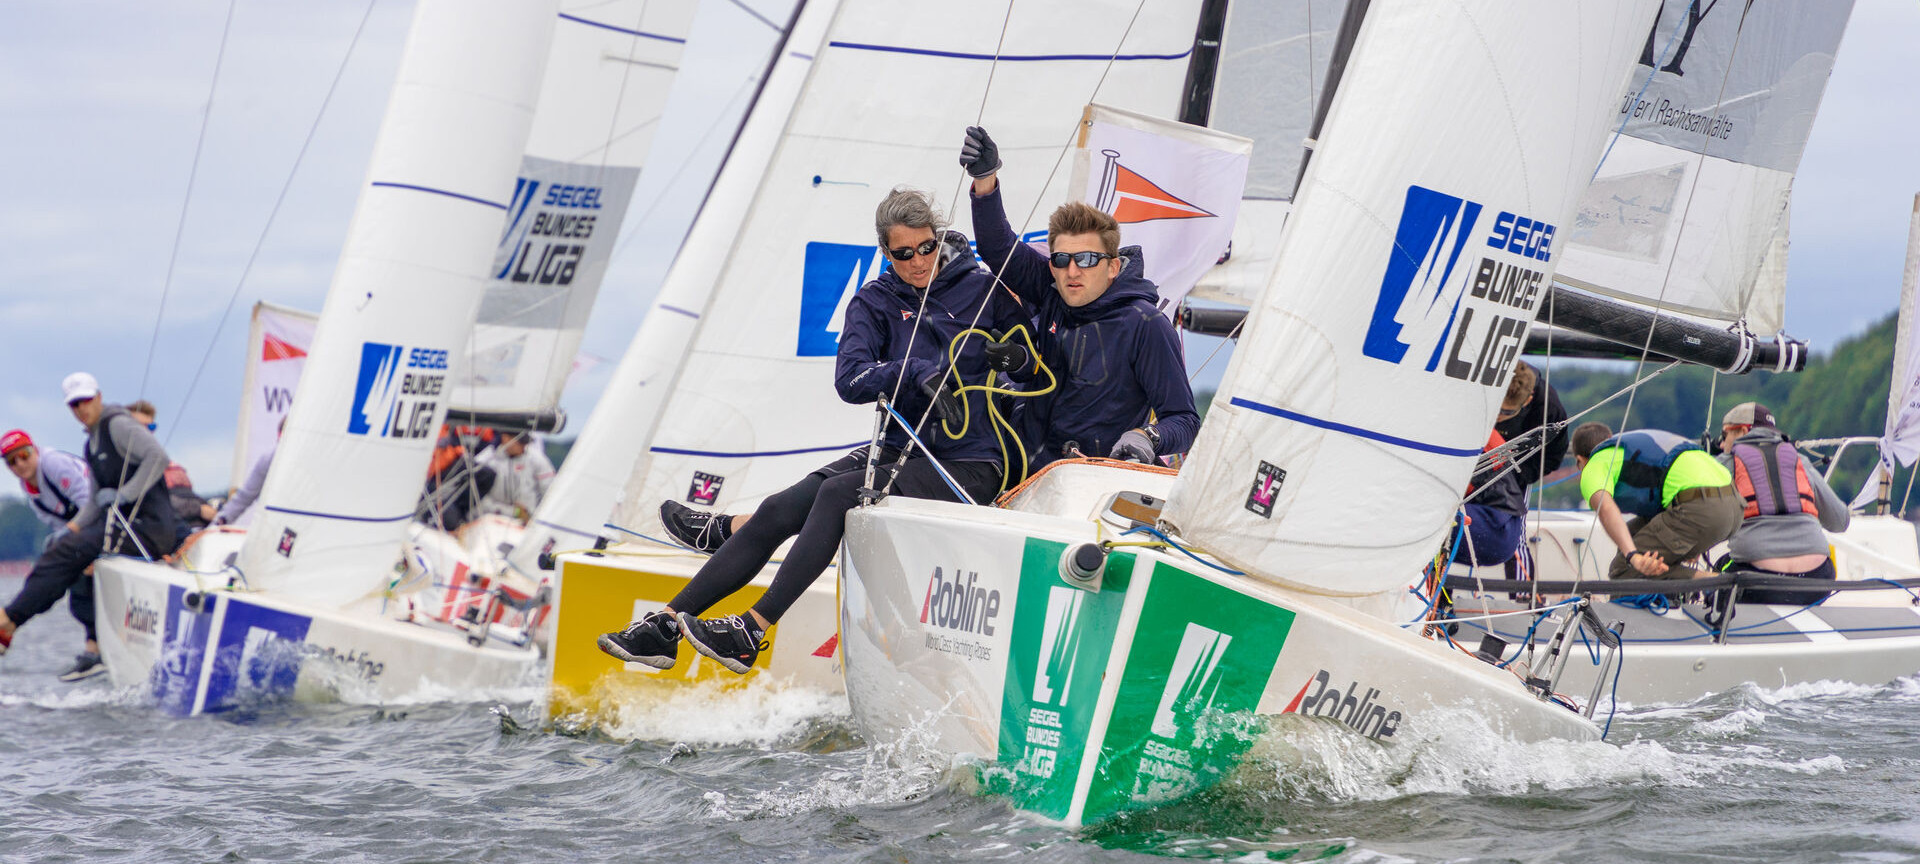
point(1117, 358)
point(880, 322)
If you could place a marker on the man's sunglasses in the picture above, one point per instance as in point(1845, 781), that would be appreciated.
point(906, 253)
point(1084, 259)
point(17, 456)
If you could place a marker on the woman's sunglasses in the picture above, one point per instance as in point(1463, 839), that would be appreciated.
point(906, 253)
point(1084, 259)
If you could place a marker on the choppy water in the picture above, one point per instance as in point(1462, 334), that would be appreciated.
point(88, 773)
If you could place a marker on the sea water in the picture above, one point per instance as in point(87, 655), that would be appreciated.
point(89, 772)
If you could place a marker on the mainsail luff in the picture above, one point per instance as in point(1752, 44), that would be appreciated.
point(403, 300)
point(1332, 402)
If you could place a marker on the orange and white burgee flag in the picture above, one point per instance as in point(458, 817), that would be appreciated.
point(1174, 188)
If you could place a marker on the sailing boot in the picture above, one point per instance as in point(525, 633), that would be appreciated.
point(654, 640)
point(734, 641)
point(84, 666)
point(696, 529)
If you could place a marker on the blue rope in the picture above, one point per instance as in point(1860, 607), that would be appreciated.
point(908, 428)
point(1183, 550)
point(1613, 696)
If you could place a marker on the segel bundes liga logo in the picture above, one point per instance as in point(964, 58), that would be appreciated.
point(1460, 290)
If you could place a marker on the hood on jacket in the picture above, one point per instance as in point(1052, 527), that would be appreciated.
point(960, 261)
point(1127, 287)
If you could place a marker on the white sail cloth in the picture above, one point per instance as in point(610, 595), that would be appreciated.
point(277, 343)
point(608, 74)
point(1422, 238)
point(409, 282)
point(1173, 187)
point(1900, 441)
point(1690, 203)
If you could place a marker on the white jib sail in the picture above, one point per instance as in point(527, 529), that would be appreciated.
point(1174, 188)
point(354, 456)
point(1690, 199)
point(277, 343)
point(1422, 238)
point(1901, 440)
point(1273, 66)
point(756, 409)
point(606, 83)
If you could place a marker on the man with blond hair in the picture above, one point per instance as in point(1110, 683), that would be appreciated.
point(1123, 383)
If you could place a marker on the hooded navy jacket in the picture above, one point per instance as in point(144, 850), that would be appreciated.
point(881, 320)
point(1117, 358)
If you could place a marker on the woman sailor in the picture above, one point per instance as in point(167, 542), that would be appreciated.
point(895, 342)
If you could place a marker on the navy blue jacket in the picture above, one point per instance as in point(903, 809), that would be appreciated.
point(881, 320)
point(1117, 358)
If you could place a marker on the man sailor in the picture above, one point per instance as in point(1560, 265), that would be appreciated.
point(56, 482)
point(1787, 507)
point(1682, 499)
point(129, 501)
point(1123, 383)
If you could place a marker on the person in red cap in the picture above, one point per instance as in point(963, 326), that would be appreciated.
point(56, 483)
point(129, 494)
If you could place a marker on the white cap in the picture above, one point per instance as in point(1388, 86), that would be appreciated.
point(80, 386)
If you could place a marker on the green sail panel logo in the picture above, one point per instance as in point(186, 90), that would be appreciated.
point(1200, 660)
point(1062, 638)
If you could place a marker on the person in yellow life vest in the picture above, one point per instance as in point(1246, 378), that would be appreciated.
point(1681, 500)
point(1788, 508)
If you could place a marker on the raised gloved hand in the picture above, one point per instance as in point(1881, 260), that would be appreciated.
point(978, 154)
point(1006, 355)
point(945, 404)
point(1137, 445)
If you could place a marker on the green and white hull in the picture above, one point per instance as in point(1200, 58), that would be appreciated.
point(959, 633)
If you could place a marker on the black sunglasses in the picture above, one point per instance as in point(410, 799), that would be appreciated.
point(1084, 259)
point(906, 253)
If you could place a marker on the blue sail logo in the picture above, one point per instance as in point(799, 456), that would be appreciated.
point(834, 271)
point(1419, 292)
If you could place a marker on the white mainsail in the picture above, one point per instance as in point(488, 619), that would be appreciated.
point(277, 341)
point(403, 300)
point(1900, 441)
point(751, 309)
point(1422, 237)
point(1273, 68)
point(605, 87)
point(1691, 201)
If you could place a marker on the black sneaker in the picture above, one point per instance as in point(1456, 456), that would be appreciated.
point(84, 666)
point(696, 529)
point(732, 640)
point(653, 640)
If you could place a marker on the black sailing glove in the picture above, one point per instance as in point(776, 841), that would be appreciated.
point(1006, 355)
point(978, 154)
point(1137, 445)
point(945, 405)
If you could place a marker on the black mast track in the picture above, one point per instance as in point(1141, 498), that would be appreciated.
point(1203, 67)
point(1336, 67)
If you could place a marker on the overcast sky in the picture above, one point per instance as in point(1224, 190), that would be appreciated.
point(102, 104)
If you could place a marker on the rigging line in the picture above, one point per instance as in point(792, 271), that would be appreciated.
point(1231, 335)
point(633, 231)
point(193, 173)
point(194, 382)
point(1031, 211)
point(1666, 280)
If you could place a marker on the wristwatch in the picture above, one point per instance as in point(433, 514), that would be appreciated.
point(1153, 436)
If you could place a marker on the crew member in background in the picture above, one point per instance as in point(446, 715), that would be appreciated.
point(129, 500)
point(457, 478)
point(56, 483)
point(521, 475)
point(194, 511)
point(237, 504)
point(1530, 405)
point(1123, 383)
point(1682, 500)
point(1495, 512)
point(900, 329)
point(1786, 505)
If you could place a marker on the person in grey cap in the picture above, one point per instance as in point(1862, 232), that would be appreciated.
point(1787, 504)
point(129, 504)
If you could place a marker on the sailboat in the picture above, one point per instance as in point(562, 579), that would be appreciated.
point(480, 170)
point(726, 394)
point(1103, 660)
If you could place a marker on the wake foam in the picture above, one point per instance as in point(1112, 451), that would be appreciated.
point(758, 712)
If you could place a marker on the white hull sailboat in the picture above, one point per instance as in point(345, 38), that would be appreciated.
point(334, 589)
point(1080, 641)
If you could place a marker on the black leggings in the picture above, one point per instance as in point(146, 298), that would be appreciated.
point(816, 509)
point(62, 569)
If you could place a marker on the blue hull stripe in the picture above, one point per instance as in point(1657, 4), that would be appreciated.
point(1355, 430)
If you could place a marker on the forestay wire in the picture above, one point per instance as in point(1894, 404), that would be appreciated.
point(965, 181)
